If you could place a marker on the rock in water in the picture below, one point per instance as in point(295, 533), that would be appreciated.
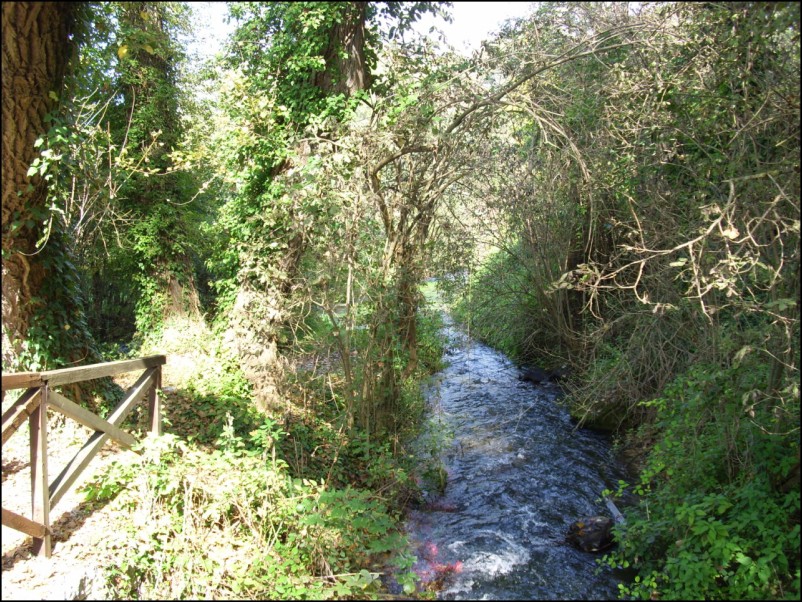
point(592, 534)
point(534, 375)
point(560, 374)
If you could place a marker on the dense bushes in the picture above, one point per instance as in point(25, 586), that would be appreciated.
point(718, 517)
point(680, 153)
point(235, 503)
point(263, 510)
point(502, 310)
point(235, 523)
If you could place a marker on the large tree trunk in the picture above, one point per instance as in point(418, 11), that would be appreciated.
point(258, 314)
point(346, 71)
point(34, 56)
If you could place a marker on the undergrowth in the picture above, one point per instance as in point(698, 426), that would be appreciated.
point(235, 503)
point(718, 517)
point(236, 524)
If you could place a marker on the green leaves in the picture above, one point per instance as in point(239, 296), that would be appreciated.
point(273, 531)
point(703, 530)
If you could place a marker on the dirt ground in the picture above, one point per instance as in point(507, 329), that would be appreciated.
point(72, 570)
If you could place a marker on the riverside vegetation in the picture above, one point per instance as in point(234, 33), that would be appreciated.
point(232, 503)
point(605, 186)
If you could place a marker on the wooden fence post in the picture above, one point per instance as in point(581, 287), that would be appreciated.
point(40, 490)
point(154, 403)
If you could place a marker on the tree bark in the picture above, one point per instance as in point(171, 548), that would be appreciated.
point(346, 71)
point(34, 58)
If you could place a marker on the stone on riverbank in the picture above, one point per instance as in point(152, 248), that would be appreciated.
point(592, 534)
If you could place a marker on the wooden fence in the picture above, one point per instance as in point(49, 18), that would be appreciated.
point(33, 404)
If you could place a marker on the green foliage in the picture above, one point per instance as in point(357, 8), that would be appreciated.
point(58, 334)
point(272, 93)
point(434, 438)
point(498, 310)
point(295, 234)
point(430, 340)
point(320, 448)
point(303, 46)
point(233, 523)
point(157, 196)
point(299, 34)
point(636, 358)
point(106, 163)
point(713, 519)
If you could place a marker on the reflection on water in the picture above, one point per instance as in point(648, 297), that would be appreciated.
point(518, 475)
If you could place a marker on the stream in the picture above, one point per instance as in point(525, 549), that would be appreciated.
point(519, 473)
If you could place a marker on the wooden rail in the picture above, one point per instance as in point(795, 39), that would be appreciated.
point(32, 406)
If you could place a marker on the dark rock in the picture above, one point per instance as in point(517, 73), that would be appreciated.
point(592, 534)
point(534, 375)
point(559, 374)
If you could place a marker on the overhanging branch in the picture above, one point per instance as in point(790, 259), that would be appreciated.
point(568, 56)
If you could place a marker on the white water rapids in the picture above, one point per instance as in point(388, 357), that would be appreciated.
point(519, 473)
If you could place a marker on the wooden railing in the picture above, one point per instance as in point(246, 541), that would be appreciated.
point(33, 404)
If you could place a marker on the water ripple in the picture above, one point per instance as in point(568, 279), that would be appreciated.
point(519, 474)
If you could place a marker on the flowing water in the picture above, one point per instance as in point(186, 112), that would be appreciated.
point(519, 473)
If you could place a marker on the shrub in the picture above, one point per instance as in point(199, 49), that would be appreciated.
point(713, 520)
point(234, 523)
